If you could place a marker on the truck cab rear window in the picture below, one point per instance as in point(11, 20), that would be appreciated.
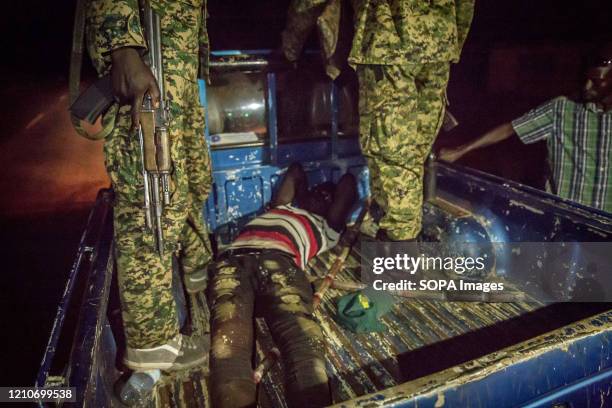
point(237, 109)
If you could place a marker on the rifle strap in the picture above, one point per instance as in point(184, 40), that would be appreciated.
point(76, 55)
point(74, 76)
point(108, 124)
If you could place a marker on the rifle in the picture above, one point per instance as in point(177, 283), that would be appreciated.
point(341, 259)
point(153, 136)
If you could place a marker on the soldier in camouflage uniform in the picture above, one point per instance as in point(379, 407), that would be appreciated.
point(402, 50)
point(116, 43)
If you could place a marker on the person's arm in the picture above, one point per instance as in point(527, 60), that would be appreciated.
point(115, 42)
point(111, 25)
point(294, 185)
point(345, 197)
point(494, 136)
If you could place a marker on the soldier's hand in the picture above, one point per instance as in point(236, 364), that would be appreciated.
point(132, 79)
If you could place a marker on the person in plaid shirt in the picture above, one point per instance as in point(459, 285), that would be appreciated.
point(578, 137)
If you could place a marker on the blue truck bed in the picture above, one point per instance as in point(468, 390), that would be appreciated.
point(434, 353)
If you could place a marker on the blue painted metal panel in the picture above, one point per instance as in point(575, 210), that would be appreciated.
point(576, 371)
point(93, 247)
point(241, 192)
point(244, 177)
point(244, 180)
point(238, 158)
point(505, 212)
point(595, 389)
point(314, 150)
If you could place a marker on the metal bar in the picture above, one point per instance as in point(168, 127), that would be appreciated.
point(145, 178)
point(239, 64)
point(549, 400)
point(334, 119)
point(84, 253)
point(589, 215)
point(90, 320)
point(157, 205)
point(272, 124)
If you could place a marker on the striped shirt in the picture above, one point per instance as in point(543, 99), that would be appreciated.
point(297, 232)
point(579, 139)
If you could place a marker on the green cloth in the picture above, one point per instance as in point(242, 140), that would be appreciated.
point(579, 139)
point(360, 312)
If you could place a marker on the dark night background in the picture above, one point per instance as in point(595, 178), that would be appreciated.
point(519, 53)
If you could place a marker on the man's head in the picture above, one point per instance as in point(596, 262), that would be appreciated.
point(598, 84)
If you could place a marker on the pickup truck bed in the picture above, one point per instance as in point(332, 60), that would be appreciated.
point(463, 354)
point(423, 337)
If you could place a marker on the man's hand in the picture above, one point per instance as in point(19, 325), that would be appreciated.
point(450, 155)
point(132, 79)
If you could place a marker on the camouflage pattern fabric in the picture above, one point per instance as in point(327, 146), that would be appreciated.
point(302, 16)
point(396, 32)
point(402, 50)
point(401, 108)
point(272, 281)
point(145, 280)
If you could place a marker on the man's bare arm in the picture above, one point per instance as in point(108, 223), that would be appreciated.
point(294, 184)
point(496, 135)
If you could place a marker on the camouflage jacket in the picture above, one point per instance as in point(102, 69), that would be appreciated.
point(385, 31)
point(400, 31)
point(112, 24)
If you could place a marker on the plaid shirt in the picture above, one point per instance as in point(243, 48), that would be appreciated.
point(579, 138)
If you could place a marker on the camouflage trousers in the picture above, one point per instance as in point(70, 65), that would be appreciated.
point(145, 279)
point(272, 284)
point(401, 108)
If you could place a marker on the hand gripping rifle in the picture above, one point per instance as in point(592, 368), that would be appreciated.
point(152, 132)
point(153, 135)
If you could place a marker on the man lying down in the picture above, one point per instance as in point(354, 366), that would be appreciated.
point(263, 268)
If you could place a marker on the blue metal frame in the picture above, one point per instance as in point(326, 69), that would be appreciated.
point(272, 125)
point(571, 367)
point(244, 177)
point(87, 367)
